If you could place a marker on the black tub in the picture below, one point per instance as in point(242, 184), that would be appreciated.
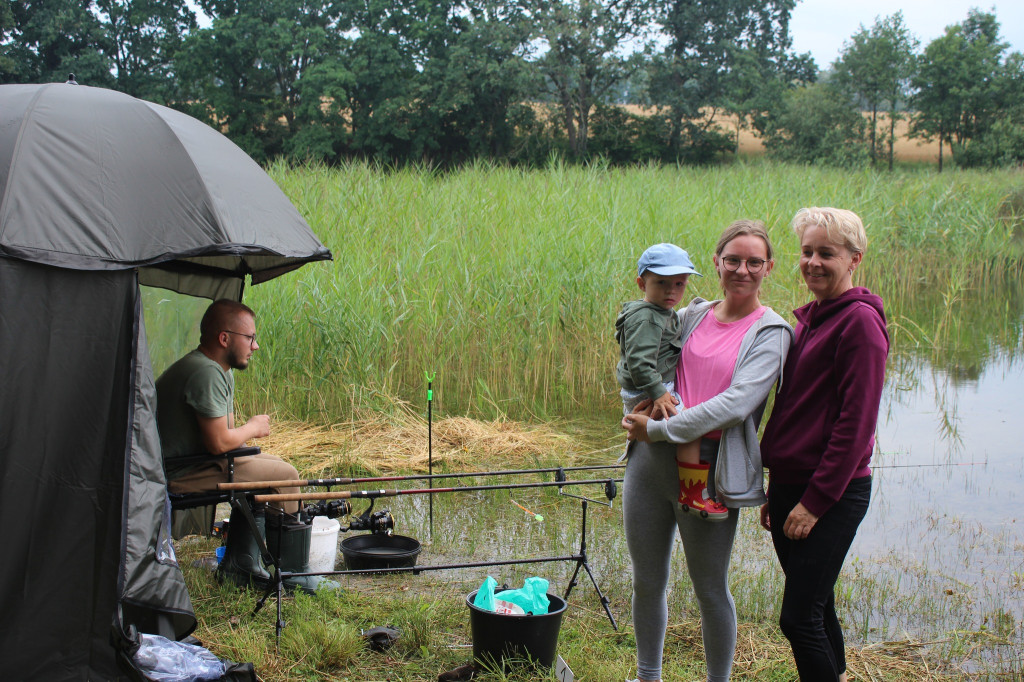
point(528, 638)
point(364, 552)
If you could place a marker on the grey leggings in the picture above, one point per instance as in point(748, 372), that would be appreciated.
point(650, 517)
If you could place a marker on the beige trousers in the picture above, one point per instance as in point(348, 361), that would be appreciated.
point(261, 467)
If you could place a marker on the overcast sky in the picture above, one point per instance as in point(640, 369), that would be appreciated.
point(821, 26)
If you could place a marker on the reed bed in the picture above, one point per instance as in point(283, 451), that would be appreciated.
point(506, 282)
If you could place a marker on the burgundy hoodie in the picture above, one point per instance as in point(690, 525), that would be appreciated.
point(822, 429)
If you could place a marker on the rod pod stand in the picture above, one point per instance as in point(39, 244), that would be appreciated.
point(581, 562)
point(276, 586)
point(240, 503)
point(610, 492)
point(240, 500)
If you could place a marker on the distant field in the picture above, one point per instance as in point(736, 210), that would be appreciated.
point(907, 148)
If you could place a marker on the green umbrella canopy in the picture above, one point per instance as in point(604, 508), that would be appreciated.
point(93, 179)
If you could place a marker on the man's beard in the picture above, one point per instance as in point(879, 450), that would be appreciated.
point(236, 361)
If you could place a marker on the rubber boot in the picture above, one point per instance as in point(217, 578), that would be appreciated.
point(242, 564)
point(693, 492)
point(289, 540)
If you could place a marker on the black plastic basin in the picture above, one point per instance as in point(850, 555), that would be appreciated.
point(370, 551)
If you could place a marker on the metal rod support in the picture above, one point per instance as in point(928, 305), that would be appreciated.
point(373, 494)
point(317, 482)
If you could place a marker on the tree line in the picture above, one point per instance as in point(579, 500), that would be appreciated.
point(449, 81)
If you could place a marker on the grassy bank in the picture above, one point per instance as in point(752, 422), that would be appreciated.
point(958, 637)
point(321, 639)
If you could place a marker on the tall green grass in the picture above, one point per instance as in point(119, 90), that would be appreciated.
point(506, 282)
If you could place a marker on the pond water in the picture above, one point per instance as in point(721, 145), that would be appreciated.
point(945, 530)
point(949, 448)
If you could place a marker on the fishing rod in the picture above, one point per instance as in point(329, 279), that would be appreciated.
point(923, 466)
point(327, 482)
point(609, 486)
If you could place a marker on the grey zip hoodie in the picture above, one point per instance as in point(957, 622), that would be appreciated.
point(737, 411)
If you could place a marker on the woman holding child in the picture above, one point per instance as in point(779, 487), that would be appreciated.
point(733, 351)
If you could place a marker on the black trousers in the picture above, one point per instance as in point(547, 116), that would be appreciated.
point(812, 566)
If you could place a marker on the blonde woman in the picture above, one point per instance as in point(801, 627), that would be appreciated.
point(817, 444)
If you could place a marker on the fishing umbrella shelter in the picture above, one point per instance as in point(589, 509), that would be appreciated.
point(101, 193)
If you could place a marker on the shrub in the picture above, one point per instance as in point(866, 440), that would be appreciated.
point(623, 138)
point(1000, 146)
point(817, 124)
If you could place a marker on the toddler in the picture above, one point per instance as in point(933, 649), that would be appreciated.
point(648, 332)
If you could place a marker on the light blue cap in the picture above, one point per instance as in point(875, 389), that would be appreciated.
point(666, 259)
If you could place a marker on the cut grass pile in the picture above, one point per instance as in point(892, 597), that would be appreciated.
point(389, 443)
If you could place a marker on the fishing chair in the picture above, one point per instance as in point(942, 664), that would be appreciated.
point(198, 510)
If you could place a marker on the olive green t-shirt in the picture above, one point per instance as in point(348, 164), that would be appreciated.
point(194, 386)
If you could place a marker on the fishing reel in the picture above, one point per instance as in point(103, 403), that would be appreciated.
point(377, 522)
point(332, 509)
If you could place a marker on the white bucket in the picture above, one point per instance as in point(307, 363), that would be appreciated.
point(323, 547)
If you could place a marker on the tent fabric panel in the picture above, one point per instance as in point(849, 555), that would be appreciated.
point(11, 114)
point(203, 285)
point(229, 173)
point(65, 359)
point(152, 586)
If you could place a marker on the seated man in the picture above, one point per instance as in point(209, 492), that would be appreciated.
point(195, 414)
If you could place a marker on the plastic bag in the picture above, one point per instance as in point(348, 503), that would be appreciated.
point(485, 595)
point(532, 598)
point(165, 660)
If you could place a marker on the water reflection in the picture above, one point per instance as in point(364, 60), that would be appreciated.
point(948, 445)
point(941, 548)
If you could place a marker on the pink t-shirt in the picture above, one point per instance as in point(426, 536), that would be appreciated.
point(709, 357)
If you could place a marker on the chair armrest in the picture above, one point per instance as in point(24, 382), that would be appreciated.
point(230, 455)
point(242, 452)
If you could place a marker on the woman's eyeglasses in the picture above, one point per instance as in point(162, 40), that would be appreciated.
point(732, 263)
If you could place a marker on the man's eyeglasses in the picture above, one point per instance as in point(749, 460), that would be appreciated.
point(732, 263)
point(252, 337)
